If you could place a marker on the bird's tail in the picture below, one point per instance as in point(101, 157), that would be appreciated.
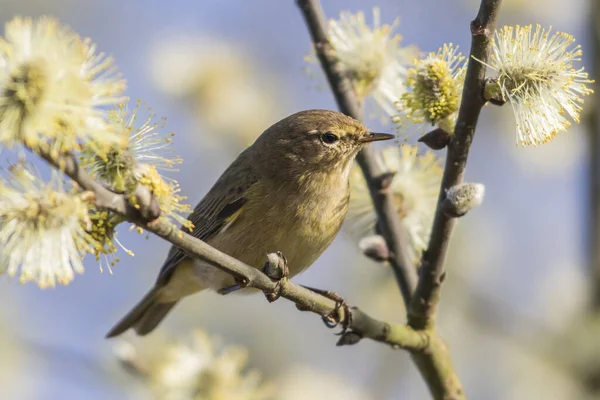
point(145, 316)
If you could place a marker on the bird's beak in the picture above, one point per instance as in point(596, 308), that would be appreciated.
point(373, 137)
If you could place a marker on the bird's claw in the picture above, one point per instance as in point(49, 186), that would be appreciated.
point(277, 269)
point(334, 318)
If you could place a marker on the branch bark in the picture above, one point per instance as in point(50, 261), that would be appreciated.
point(423, 307)
point(360, 325)
point(427, 295)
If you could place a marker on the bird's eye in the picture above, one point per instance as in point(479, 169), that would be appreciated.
point(329, 138)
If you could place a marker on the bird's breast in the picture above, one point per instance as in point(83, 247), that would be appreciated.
point(301, 223)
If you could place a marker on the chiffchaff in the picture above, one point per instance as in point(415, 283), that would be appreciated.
point(287, 192)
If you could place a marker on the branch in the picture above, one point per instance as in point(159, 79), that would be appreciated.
point(104, 198)
point(348, 103)
point(359, 324)
point(427, 295)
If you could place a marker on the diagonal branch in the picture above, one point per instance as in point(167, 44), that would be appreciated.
point(348, 103)
point(427, 295)
point(359, 324)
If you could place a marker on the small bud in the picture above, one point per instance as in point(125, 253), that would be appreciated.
point(349, 338)
point(375, 248)
point(492, 92)
point(276, 266)
point(461, 198)
point(436, 139)
point(145, 199)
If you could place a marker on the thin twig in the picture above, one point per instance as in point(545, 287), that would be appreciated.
point(360, 324)
point(423, 307)
point(427, 295)
point(348, 103)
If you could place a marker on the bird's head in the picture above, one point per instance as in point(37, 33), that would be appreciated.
point(315, 140)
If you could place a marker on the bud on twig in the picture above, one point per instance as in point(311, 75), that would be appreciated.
point(145, 202)
point(277, 269)
point(436, 139)
point(375, 248)
point(276, 266)
point(461, 198)
point(349, 338)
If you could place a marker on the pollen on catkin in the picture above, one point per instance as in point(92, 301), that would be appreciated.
point(415, 188)
point(434, 88)
point(199, 368)
point(54, 87)
point(102, 238)
point(42, 228)
point(144, 144)
point(536, 76)
point(167, 195)
point(373, 57)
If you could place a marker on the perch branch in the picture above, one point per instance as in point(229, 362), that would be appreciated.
point(360, 326)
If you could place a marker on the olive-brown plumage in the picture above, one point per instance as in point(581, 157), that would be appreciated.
point(287, 192)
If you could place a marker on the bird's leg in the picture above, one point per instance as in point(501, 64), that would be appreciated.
point(334, 318)
point(277, 269)
point(240, 283)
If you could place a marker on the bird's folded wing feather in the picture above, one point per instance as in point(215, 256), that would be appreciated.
point(215, 212)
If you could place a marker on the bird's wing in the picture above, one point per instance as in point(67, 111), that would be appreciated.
point(215, 212)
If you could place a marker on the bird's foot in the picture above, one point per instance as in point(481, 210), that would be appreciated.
point(335, 318)
point(277, 269)
point(240, 283)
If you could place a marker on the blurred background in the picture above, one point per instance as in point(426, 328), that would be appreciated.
point(521, 304)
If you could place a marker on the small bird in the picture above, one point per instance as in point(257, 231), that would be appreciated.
point(287, 192)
